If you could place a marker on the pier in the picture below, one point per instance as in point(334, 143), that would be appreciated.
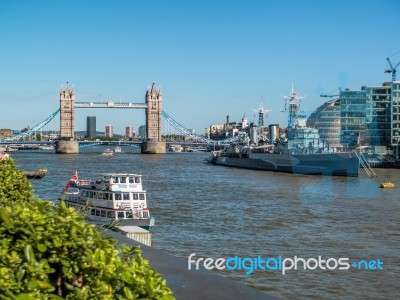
point(192, 284)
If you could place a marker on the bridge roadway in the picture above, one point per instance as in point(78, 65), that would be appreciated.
point(109, 104)
point(84, 144)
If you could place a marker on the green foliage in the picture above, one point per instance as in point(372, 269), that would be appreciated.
point(49, 252)
point(14, 186)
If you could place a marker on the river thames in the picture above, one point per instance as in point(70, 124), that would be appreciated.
point(222, 212)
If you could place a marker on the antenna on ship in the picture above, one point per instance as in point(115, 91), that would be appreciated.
point(293, 101)
point(261, 111)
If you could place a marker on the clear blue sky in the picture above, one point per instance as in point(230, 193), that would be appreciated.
point(210, 58)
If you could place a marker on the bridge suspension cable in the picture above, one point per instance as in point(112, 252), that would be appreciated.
point(184, 131)
point(187, 133)
point(32, 130)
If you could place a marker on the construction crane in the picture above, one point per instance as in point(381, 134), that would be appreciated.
point(329, 96)
point(261, 111)
point(392, 69)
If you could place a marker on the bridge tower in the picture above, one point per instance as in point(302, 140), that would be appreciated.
point(67, 102)
point(153, 143)
point(66, 143)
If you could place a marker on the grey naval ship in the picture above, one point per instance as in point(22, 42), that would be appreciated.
point(297, 152)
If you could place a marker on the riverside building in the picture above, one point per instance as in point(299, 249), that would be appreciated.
point(371, 117)
point(327, 119)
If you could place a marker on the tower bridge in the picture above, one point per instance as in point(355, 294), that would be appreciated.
point(152, 106)
point(153, 113)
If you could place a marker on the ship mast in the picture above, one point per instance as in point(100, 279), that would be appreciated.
point(292, 104)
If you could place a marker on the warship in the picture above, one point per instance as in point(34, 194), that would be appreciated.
point(299, 151)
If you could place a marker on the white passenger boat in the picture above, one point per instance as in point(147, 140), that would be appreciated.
point(114, 196)
point(108, 152)
point(117, 149)
point(175, 148)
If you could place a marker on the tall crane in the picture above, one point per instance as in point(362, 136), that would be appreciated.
point(392, 69)
point(331, 95)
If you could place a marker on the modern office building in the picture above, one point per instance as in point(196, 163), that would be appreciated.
point(378, 115)
point(352, 117)
point(326, 118)
point(91, 127)
point(371, 116)
point(395, 119)
point(109, 131)
point(142, 131)
point(395, 113)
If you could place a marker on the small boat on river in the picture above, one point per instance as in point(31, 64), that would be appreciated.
point(112, 197)
point(117, 149)
point(38, 174)
point(108, 152)
point(387, 184)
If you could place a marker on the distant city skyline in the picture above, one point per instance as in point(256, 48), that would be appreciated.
point(210, 58)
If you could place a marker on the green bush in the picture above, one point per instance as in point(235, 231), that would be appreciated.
point(14, 186)
point(49, 252)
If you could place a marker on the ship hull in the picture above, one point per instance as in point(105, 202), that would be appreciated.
point(333, 164)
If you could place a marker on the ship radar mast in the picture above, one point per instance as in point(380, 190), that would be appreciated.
point(261, 111)
point(292, 104)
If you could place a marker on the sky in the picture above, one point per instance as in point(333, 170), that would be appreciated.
point(211, 59)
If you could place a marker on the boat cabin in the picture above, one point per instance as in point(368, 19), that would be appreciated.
point(115, 182)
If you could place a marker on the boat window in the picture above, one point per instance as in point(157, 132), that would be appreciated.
point(93, 212)
point(131, 180)
point(116, 179)
point(137, 179)
point(117, 196)
point(145, 214)
point(135, 196)
point(97, 213)
point(110, 214)
point(126, 196)
point(129, 215)
point(91, 194)
point(120, 215)
point(141, 196)
point(103, 213)
point(123, 179)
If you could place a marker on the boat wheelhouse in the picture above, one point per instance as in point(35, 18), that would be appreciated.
point(113, 196)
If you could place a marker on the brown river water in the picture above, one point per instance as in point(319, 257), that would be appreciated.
point(221, 212)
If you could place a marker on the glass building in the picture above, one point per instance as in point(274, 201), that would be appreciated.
point(91, 127)
point(326, 118)
point(371, 117)
point(352, 117)
point(395, 112)
point(378, 115)
point(395, 119)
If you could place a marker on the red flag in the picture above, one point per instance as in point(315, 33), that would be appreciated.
point(74, 178)
point(67, 185)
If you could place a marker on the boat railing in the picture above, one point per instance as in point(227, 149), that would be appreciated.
point(138, 213)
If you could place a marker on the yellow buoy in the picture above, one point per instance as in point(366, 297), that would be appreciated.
point(387, 184)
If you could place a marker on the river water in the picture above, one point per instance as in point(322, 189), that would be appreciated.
point(222, 212)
